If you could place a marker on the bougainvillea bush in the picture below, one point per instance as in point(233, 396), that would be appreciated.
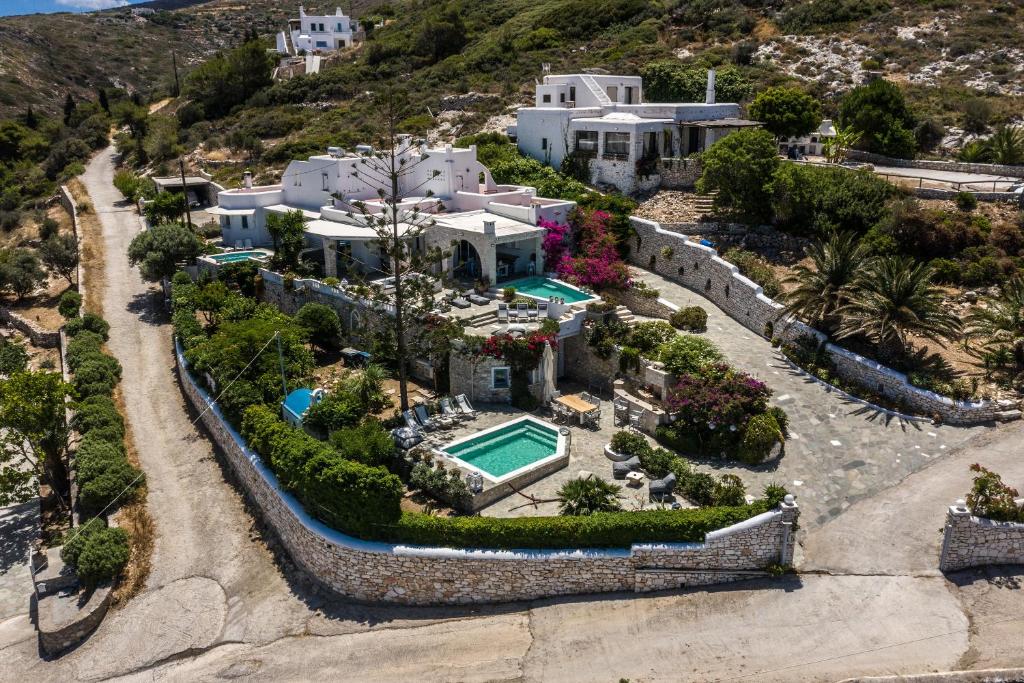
point(596, 262)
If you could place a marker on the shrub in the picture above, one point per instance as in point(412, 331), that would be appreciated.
point(729, 491)
point(98, 412)
point(686, 354)
point(369, 443)
point(757, 269)
point(349, 496)
point(95, 376)
point(102, 555)
point(70, 304)
point(90, 322)
point(446, 486)
point(508, 293)
point(741, 166)
point(690, 318)
point(13, 356)
point(114, 481)
point(629, 443)
point(966, 201)
point(322, 324)
point(95, 454)
point(781, 418)
point(819, 200)
point(587, 496)
point(945, 270)
point(657, 462)
point(759, 437)
point(647, 336)
point(699, 488)
point(992, 499)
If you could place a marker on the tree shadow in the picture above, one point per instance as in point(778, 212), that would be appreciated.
point(149, 308)
point(19, 526)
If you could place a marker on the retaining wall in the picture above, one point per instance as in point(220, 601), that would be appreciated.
point(961, 166)
point(701, 269)
point(40, 337)
point(933, 193)
point(970, 541)
point(373, 571)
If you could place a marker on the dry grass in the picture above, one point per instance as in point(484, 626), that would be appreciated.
point(90, 249)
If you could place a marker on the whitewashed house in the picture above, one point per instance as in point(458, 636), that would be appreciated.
point(605, 120)
point(318, 33)
point(490, 230)
point(812, 145)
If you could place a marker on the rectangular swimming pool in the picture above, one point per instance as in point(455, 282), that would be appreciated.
point(545, 288)
point(236, 256)
point(507, 449)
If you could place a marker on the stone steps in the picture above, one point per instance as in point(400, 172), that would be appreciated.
point(624, 315)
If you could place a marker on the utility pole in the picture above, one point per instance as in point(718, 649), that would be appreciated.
point(177, 82)
point(280, 358)
point(184, 193)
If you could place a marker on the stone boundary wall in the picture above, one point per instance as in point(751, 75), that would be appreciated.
point(970, 541)
point(385, 572)
point(67, 200)
point(933, 193)
point(38, 336)
point(680, 174)
point(649, 307)
point(961, 166)
point(701, 269)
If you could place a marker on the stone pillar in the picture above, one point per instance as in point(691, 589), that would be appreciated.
point(330, 258)
point(790, 514)
point(952, 556)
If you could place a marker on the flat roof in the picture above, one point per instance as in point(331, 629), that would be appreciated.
point(618, 117)
point(284, 208)
point(473, 221)
point(346, 231)
point(218, 211)
point(176, 181)
point(727, 122)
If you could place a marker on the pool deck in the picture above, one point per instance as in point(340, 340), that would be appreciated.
point(586, 453)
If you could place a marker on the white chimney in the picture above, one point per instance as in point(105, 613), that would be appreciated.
point(489, 228)
point(709, 98)
point(247, 179)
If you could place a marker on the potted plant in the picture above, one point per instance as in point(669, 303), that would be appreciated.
point(626, 445)
point(482, 284)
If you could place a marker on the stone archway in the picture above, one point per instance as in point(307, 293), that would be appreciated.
point(466, 262)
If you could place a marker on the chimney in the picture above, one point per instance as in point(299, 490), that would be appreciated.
point(709, 98)
point(489, 228)
point(247, 179)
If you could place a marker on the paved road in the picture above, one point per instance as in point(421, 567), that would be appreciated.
point(217, 606)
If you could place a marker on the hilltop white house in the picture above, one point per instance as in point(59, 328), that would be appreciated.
point(605, 120)
point(490, 230)
point(317, 33)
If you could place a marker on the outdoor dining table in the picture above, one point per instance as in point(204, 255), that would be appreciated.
point(576, 404)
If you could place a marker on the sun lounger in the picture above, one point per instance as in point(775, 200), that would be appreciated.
point(542, 309)
point(621, 469)
point(523, 309)
point(412, 423)
point(479, 300)
point(533, 313)
point(448, 411)
point(502, 313)
point(463, 403)
point(460, 302)
point(429, 423)
point(662, 488)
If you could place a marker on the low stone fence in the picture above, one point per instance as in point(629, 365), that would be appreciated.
point(680, 174)
point(39, 337)
point(970, 541)
point(701, 269)
point(933, 193)
point(960, 166)
point(647, 306)
point(386, 572)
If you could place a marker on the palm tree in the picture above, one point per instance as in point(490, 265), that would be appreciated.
point(1007, 145)
point(823, 289)
point(836, 147)
point(1001, 323)
point(975, 152)
point(586, 496)
point(895, 298)
point(368, 385)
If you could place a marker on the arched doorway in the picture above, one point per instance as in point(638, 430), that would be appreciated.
point(465, 261)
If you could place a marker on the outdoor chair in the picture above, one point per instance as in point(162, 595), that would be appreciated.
point(592, 419)
point(502, 313)
point(542, 309)
point(512, 314)
point(636, 419)
point(533, 313)
point(463, 404)
point(621, 469)
point(448, 411)
point(428, 423)
point(621, 411)
point(662, 488)
point(248, 244)
point(523, 309)
point(412, 423)
point(238, 244)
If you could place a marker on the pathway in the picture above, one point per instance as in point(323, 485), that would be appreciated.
point(839, 451)
point(216, 605)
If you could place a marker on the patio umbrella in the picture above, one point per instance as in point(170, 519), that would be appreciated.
point(547, 364)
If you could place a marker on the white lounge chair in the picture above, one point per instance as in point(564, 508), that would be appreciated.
point(513, 315)
point(542, 309)
point(533, 313)
point(448, 411)
point(248, 244)
point(412, 423)
point(463, 403)
point(523, 310)
point(502, 313)
point(428, 423)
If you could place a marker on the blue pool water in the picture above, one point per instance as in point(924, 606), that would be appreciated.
point(507, 449)
point(235, 256)
point(545, 288)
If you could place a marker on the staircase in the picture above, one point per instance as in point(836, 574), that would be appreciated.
point(598, 92)
point(623, 314)
point(704, 204)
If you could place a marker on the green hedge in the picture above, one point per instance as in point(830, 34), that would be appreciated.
point(96, 552)
point(98, 412)
point(349, 496)
point(599, 530)
point(90, 322)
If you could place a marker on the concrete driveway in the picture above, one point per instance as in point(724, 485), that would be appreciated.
point(218, 606)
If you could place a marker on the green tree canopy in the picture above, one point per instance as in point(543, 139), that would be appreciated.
point(878, 111)
point(741, 167)
point(321, 322)
point(20, 271)
point(165, 207)
point(287, 232)
point(35, 434)
point(60, 254)
point(158, 251)
point(230, 78)
point(786, 112)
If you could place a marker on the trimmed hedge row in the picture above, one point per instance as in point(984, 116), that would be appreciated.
point(96, 552)
point(347, 495)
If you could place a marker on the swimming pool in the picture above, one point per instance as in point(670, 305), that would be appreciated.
point(507, 450)
point(545, 288)
point(235, 256)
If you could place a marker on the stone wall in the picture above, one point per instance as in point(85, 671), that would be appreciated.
point(647, 306)
point(933, 193)
point(701, 269)
point(680, 174)
point(963, 167)
point(970, 541)
point(470, 374)
point(384, 572)
point(38, 336)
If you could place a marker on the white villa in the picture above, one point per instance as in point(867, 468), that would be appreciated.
point(810, 145)
point(319, 33)
point(490, 230)
point(605, 119)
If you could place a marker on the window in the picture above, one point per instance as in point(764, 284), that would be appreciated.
point(543, 143)
point(613, 93)
point(324, 177)
point(245, 222)
point(338, 27)
point(321, 43)
point(572, 93)
point(616, 145)
point(561, 97)
point(546, 98)
point(650, 144)
point(666, 142)
point(586, 142)
point(501, 378)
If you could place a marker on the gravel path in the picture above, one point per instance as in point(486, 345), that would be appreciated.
point(216, 606)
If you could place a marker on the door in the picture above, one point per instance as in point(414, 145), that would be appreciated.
point(613, 93)
point(693, 141)
point(629, 94)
